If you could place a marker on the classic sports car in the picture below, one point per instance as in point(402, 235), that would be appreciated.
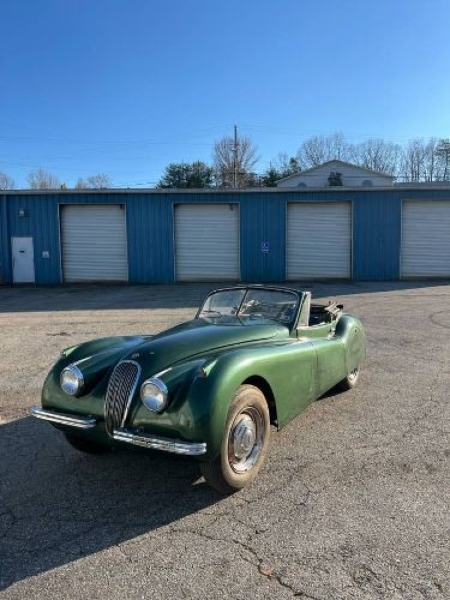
point(210, 387)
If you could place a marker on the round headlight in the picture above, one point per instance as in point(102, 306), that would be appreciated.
point(72, 380)
point(154, 394)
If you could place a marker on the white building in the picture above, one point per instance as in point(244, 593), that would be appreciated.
point(350, 176)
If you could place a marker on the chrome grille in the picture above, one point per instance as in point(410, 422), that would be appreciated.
point(121, 387)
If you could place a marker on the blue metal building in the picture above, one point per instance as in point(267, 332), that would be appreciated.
point(387, 232)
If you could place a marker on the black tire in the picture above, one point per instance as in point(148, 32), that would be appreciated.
point(244, 444)
point(350, 381)
point(85, 445)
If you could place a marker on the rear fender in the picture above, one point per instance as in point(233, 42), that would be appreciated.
point(351, 332)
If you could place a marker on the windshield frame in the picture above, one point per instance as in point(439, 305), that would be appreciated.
point(246, 289)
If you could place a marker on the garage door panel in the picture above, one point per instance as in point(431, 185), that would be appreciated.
point(207, 242)
point(319, 241)
point(426, 239)
point(94, 243)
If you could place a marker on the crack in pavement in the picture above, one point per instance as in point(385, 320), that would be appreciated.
point(252, 558)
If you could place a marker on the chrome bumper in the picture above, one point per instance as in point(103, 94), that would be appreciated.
point(63, 419)
point(131, 436)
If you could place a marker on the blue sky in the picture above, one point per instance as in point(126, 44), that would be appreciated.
point(124, 87)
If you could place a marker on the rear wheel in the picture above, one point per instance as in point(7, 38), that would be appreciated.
point(85, 445)
point(350, 380)
point(244, 444)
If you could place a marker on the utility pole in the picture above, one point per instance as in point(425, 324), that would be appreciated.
point(235, 157)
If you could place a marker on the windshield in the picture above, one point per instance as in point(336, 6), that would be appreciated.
point(277, 305)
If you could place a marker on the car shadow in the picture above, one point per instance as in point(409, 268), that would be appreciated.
point(57, 505)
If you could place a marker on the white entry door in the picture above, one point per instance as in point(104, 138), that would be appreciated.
point(23, 259)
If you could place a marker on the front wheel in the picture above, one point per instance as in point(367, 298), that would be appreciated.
point(85, 445)
point(244, 444)
point(350, 380)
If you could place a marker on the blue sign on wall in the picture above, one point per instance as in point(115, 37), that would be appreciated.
point(264, 246)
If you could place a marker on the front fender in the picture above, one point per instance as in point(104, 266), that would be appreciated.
point(288, 370)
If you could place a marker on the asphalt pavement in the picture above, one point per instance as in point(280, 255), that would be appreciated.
point(353, 501)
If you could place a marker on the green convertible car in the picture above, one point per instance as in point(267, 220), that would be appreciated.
point(211, 387)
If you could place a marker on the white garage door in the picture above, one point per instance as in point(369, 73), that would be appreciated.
point(426, 239)
point(319, 241)
point(206, 242)
point(94, 243)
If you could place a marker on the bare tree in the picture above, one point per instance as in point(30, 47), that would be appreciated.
point(419, 160)
point(81, 184)
point(43, 180)
point(379, 155)
point(282, 166)
point(413, 167)
point(286, 165)
point(319, 149)
point(426, 160)
point(312, 152)
point(433, 166)
point(6, 182)
point(423, 161)
point(443, 153)
point(230, 158)
point(94, 182)
point(99, 181)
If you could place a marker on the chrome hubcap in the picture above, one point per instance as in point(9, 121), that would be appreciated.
point(245, 440)
point(244, 436)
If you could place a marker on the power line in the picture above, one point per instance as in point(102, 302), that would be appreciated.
point(152, 141)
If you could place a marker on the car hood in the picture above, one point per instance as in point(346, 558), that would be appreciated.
point(202, 336)
point(192, 339)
